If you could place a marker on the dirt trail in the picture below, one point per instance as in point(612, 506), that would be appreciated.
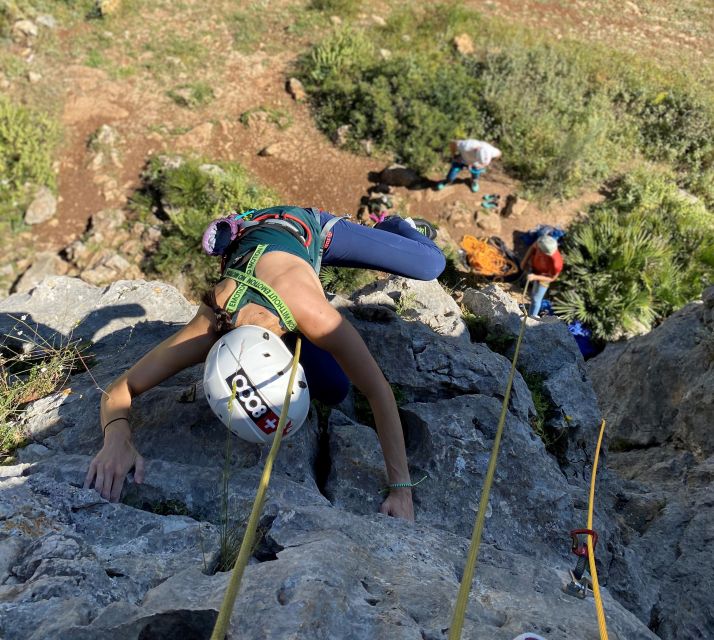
point(304, 168)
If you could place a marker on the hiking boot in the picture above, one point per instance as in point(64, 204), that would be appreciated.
point(474, 186)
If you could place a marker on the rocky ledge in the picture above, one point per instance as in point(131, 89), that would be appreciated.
point(74, 566)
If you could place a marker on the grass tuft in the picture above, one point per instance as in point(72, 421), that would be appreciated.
point(32, 367)
point(637, 257)
point(192, 95)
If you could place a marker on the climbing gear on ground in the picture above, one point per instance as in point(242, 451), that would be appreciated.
point(578, 586)
point(254, 362)
point(104, 428)
point(462, 600)
point(402, 485)
point(489, 204)
point(491, 196)
point(488, 260)
point(425, 228)
point(246, 548)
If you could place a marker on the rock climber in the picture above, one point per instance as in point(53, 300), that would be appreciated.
point(287, 250)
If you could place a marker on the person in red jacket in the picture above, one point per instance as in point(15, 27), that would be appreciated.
point(545, 264)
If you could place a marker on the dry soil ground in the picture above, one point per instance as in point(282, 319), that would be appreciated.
point(118, 72)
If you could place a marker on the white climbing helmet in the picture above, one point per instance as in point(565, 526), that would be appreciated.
point(259, 364)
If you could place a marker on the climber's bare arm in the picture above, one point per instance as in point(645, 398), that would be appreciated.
point(186, 347)
point(323, 325)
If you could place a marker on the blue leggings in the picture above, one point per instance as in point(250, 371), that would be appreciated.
point(457, 167)
point(392, 246)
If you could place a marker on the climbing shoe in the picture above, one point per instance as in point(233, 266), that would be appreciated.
point(425, 228)
point(474, 186)
point(488, 204)
point(440, 185)
point(493, 197)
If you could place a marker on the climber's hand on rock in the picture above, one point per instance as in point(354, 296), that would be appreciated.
point(111, 465)
point(399, 504)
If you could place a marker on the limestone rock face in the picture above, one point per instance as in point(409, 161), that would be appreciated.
point(657, 392)
point(675, 398)
point(550, 353)
point(327, 565)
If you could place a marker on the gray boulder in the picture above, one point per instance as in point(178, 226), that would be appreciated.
point(397, 175)
point(551, 356)
point(42, 208)
point(677, 402)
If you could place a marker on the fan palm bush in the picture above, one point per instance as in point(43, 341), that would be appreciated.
point(641, 255)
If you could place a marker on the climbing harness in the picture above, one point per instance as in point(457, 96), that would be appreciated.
point(229, 599)
point(462, 599)
point(220, 234)
point(486, 259)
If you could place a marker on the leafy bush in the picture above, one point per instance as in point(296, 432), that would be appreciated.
point(189, 194)
point(27, 141)
point(565, 114)
point(645, 252)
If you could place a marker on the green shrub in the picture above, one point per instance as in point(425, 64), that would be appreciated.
point(642, 254)
point(27, 142)
point(565, 114)
point(345, 280)
point(191, 193)
point(557, 131)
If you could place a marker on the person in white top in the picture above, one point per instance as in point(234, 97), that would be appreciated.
point(475, 155)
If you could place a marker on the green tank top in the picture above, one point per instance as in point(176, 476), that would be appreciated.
point(276, 238)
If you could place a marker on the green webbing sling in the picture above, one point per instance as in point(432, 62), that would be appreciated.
point(246, 279)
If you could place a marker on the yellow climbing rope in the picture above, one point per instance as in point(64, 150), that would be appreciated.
point(224, 615)
point(457, 622)
point(591, 551)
